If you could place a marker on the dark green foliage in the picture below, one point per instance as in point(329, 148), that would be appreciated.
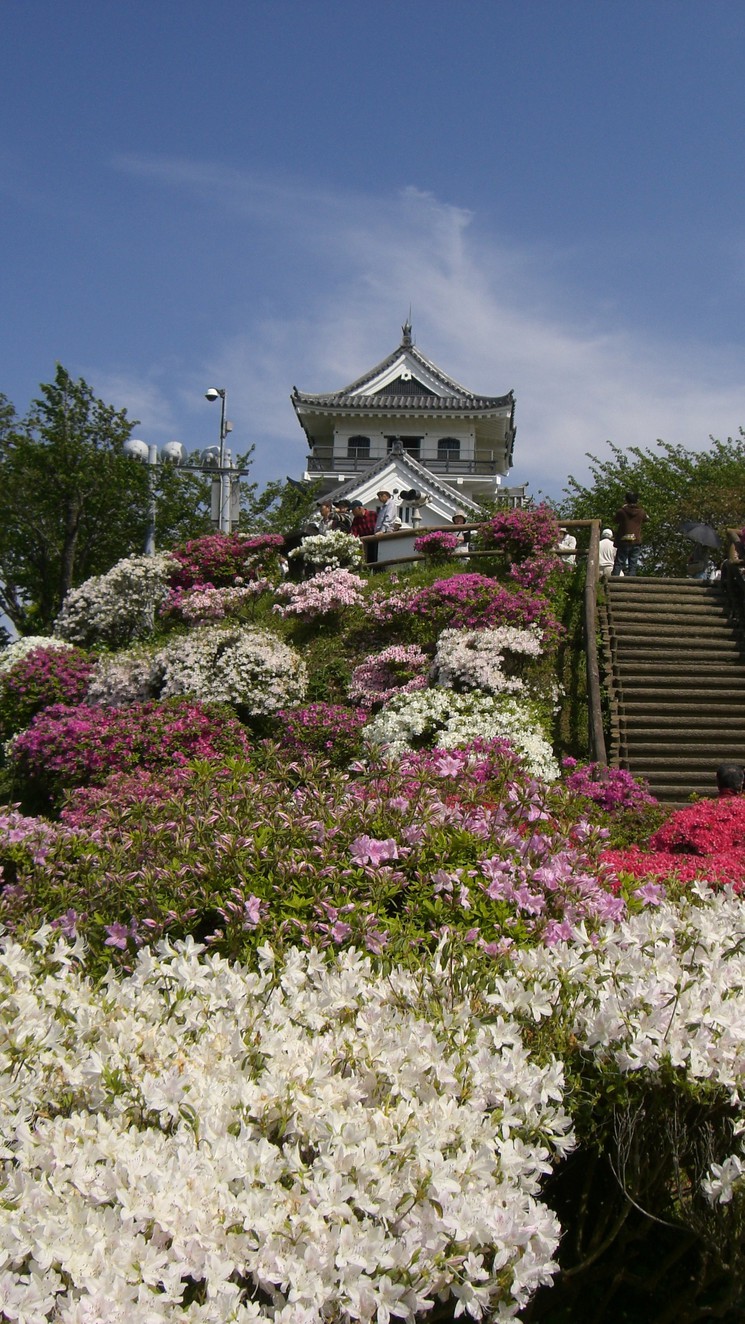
point(72, 503)
point(673, 484)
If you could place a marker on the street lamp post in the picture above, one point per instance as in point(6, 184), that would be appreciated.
point(223, 521)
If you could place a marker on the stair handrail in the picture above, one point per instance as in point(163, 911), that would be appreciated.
point(596, 728)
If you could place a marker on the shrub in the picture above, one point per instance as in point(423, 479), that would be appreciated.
point(396, 670)
point(45, 676)
point(446, 719)
point(19, 648)
point(117, 608)
point(520, 534)
point(464, 602)
point(476, 659)
point(325, 594)
point(226, 559)
point(244, 666)
point(77, 746)
point(437, 546)
point(203, 602)
point(329, 551)
point(328, 729)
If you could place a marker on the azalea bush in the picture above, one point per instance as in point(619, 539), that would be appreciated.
point(117, 608)
point(308, 1140)
point(447, 719)
point(19, 648)
point(329, 551)
point(323, 595)
point(237, 852)
point(225, 560)
point(204, 602)
point(702, 841)
point(437, 546)
point(73, 746)
point(244, 666)
point(42, 677)
point(328, 729)
point(462, 602)
point(395, 670)
point(520, 534)
point(484, 659)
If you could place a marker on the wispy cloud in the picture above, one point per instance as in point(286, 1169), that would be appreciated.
point(493, 311)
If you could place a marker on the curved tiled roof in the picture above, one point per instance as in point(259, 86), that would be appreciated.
point(448, 395)
point(426, 403)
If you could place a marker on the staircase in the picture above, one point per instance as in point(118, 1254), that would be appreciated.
point(675, 672)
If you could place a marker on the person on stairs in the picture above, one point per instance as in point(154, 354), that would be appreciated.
point(630, 520)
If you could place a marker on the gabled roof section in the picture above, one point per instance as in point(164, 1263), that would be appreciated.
point(404, 466)
point(405, 379)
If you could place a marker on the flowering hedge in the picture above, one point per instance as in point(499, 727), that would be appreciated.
point(437, 546)
point(395, 670)
point(74, 746)
point(306, 1142)
point(443, 718)
point(329, 551)
point(44, 676)
point(477, 659)
point(117, 608)
point(225, 559)
point(244, 666)
point(325, 594)
point(465, 602)
point(322, 728)
point(520, 534)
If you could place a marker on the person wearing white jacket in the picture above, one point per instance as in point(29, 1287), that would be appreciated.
point(607, 557)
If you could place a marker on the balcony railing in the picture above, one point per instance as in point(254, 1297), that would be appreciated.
point(353, 464)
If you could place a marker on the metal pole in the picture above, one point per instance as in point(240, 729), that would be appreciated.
point(152, 461)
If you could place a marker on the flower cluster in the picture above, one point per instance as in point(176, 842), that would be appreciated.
point(42, 677)
point(474, 659)
point(437, 546)
point(75, 746)
point(613, 789)
point(244, 666)
point(225, 559)
point(325, 593)
point(203, 602)
point(396, 670)
point(520, 534)
point(311, 1136)
point(322, 728)
point(702, 841)
point(446, 719)
point(117, 608)
point(329, 551)
point(20, 648)
point(466, 602)
point(130, 676)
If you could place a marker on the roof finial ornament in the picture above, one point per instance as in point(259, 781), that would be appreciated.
point(407, 341)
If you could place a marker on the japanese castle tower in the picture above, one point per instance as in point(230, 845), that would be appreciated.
point(405, 424)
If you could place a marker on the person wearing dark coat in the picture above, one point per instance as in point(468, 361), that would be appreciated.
point(630, 520)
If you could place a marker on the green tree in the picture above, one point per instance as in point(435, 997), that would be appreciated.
point(674, 484)
point(281, 507)
point(72, 503)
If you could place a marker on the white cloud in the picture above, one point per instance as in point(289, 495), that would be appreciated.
point(490, 310)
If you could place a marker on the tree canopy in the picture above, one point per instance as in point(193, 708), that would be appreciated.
point(674, 484)
point(72, 503)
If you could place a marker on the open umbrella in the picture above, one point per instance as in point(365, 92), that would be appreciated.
point(702, 533)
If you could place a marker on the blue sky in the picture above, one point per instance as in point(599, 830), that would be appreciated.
point(251, 195)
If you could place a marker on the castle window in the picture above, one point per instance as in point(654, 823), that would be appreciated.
point(448, 448)
point(358, 448)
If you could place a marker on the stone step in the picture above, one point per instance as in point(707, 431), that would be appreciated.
point(683, 723)
point(679, 665)
point(635, 683)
